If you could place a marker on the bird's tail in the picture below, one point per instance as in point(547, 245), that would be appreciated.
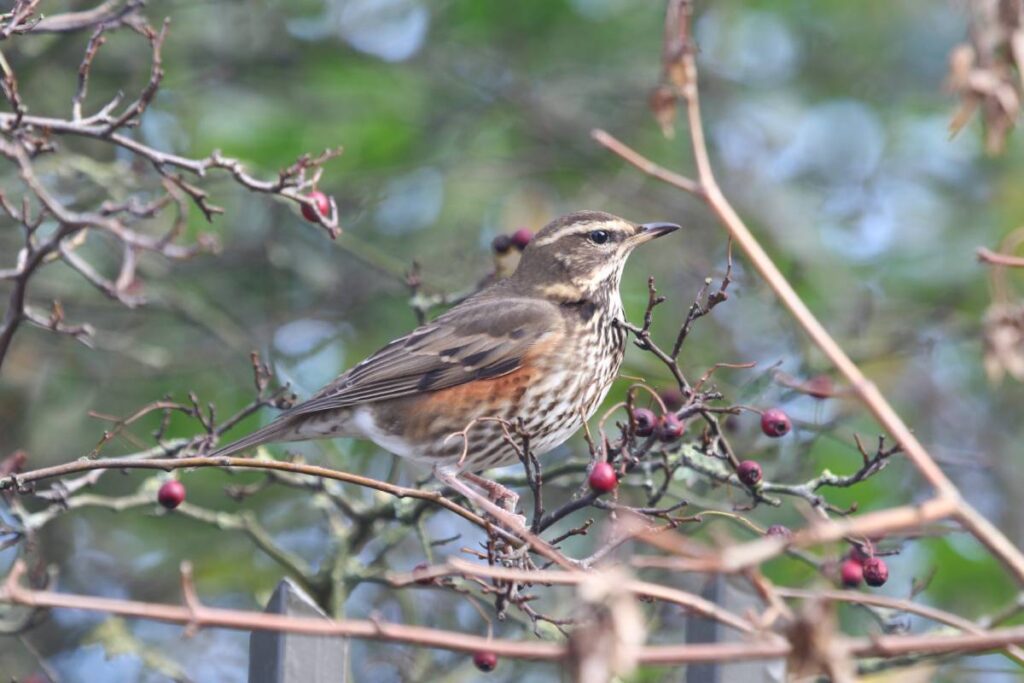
point(275, 431)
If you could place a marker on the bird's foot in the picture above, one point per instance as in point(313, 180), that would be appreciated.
point(511, 525)
point(497, 493)
point(500, 503)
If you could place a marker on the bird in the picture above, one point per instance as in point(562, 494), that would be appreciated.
point(539, 349)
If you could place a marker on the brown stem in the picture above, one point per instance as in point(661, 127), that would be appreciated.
point(692, 602)
point(17, 482)
point(858, 598)
point(986, 255)
point(195, 615)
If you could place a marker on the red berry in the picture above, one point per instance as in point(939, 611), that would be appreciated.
point(602, 478)
point(418, 569)
point(672, 398)
point(780, 531)
point(501, 244)
point(876, 573)
point(323, 206)
point(171, 494)
point(851, 573)
point(775, 423)
point(749, 472)
point(485, 661)
point(670, 427)
point(521, 238)
point(645, 421)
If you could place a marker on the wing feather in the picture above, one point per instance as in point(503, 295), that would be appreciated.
point(479, 339)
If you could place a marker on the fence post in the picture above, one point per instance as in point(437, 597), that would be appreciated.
point(726, 593)
point(291, 658)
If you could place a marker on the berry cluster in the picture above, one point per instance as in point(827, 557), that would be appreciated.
point(667, 428)
point(858, 567)
point(517, 240)
point(774, 423)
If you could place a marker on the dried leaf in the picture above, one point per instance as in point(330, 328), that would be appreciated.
point(611, 632)
point(675, 73)
point(817, 648)
point(987, 71)
point(663, 105)
point(1003, 341)
point(961, 61)
point(963, 114)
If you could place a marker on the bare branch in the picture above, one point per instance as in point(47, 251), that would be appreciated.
point(986, 255)
point(681, 73)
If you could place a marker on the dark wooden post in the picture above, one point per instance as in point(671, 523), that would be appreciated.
point(722, 591)
point(292, 658)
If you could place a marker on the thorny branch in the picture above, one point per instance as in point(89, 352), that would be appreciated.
point(26, 138)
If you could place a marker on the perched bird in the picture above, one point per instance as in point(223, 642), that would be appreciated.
point(542, 345)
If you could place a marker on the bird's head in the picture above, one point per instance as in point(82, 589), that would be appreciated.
point(581, 254)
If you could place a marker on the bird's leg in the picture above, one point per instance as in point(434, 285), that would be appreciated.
point(513, 522)
point(500, 494)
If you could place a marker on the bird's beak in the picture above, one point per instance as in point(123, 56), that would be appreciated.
point(650, 231)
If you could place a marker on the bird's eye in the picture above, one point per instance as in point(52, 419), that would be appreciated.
point(599, 236)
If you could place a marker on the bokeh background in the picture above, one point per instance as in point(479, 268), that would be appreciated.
point(461, 120)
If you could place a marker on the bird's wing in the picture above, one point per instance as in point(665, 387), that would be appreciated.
point(479, 339)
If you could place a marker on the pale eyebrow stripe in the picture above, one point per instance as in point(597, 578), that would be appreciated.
point(581, 229)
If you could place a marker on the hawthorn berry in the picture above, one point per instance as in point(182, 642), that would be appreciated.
point(670, 427)
point(645, 421)
point(485, 661)
point(731, 424)
point(501, 244)
point(521, 237)
point(876, 573)
point(323, 206)
point(775, 423)
point(602, 477)
point(749, 472)
point(851, 573)
point(779, 530)
point(171, 494)
point(672, 398)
